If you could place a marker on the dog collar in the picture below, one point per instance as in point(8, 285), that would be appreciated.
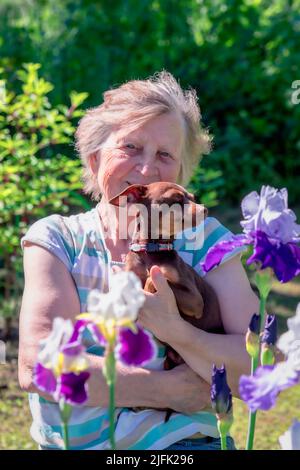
point(151, 247)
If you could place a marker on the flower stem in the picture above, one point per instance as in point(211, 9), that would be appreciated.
point(112, 416)
point(251, 430)
point(65, 413)
point(65, 435)
point(254, 365)
point(262, 308)
point(224, 423)
point(252, 415)
point(110, 375)
point(223, 441)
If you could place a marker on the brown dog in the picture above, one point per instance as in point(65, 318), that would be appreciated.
point(196, 300)
point(153, 245)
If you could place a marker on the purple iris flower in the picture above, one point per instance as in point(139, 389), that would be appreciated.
point(44, 379)
point(61, 369)
point(269, 213)
point(73, 388)
point(217, 252)
point(72, 349)
point(284, 259)
point(69, 386)
point(132, 348)
point(83, 324)
point(269, 335)
point(271, 228)
point(78, 330)
point(260, 390)
point(220, 393)
point(135, 348)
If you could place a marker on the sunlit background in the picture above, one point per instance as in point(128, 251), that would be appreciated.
point(242, 57)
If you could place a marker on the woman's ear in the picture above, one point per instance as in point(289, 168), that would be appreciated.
point(93, 162)
point(132, 194)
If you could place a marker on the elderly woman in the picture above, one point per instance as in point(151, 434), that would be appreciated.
point(145, 131)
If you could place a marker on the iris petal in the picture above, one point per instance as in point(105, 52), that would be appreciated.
point(73, 388)
point(216, 253)
point(221, 397)
point(284, 259)
point(135, 349)
point(44, 379)
point(260, 390)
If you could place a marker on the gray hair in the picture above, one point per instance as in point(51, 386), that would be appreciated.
point(133, 104)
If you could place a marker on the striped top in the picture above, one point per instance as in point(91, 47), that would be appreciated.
point(78, 241)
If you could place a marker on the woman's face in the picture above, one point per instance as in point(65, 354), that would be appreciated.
point(145, 155)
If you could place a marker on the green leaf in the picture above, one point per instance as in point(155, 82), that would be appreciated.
point(77, 98)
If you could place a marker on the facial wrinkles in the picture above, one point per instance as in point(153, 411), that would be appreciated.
point(141, 164)
point(153, 164)
point(148, 166)
point(107, 170)
point(148, 144)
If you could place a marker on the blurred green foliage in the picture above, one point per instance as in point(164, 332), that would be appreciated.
point(241, 56)
point(36, 178)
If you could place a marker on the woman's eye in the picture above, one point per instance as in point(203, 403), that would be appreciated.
point(165, 154)
point(130, 146)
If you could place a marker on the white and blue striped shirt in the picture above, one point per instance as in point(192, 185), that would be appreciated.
point(78, 242)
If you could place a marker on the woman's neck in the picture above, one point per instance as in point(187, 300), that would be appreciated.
point(115, 222)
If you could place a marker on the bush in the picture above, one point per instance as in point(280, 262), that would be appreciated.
point(35, 177)
point(241, 56)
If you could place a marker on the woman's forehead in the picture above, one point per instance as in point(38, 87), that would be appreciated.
point(166, 129)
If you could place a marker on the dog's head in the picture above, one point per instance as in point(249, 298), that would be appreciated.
point(166, 207)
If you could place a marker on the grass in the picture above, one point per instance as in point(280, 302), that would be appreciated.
point(269, 424)
point(14, 411)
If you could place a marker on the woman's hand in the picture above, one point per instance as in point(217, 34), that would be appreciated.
point(159, 313)
point(188, 392)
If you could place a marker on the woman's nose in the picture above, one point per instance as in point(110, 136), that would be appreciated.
point(147, 169)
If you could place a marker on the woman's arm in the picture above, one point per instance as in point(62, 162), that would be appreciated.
point(49, 292)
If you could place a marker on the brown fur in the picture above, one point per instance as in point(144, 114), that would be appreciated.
point(196, 299)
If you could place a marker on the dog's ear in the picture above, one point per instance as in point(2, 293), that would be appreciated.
point(132, 194)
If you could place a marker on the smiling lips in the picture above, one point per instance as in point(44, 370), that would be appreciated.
point(130, 184)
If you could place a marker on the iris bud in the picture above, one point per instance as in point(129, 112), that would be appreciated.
point(268, 340)
point(252, 336)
